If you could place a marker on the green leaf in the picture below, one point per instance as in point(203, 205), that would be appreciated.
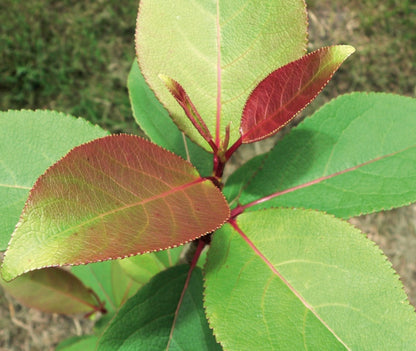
point(108, 281)
point(355, 155)
point(78, 343)
point(114, 197)
point(52, 290)
point(143, 267)
point(31, 141)
point(116, 281)
point(285, 279)
point(154, 120)
point(218, 51)
point(147, 320)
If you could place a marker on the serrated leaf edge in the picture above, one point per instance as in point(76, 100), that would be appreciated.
point(397, 282)
point(114, 258)
point(301, 109)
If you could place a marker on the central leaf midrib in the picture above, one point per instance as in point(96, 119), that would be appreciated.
point(142, 202)
point(273, 269)
point(218, 115)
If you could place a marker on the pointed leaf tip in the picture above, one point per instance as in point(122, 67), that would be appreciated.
point(179, 93)
point(170, 84)
point(288, 90)
point(114, 197)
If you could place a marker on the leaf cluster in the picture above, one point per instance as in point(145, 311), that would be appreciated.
point(281, 268)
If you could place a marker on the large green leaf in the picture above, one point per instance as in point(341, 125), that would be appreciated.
point(53, 290)
point(355, 155)
point(31, 141)
point(158, 318)
point(111, 198)
point(286, 279)
point(218, 51)
point(78, 343)
point(154, 120)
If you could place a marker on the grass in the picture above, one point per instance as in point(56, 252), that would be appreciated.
point(69, 56)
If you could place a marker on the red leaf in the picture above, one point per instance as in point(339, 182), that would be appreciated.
point(113, 197)
point(286, 91)
point(53, 290)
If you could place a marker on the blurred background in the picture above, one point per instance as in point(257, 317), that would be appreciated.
point(74, 57)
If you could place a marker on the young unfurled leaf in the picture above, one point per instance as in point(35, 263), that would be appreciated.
point(286, 91)
point(155, 121)
point(179, 93)
point(218, 51)
point(53, 290)
point(113, 197)
point(292, 279)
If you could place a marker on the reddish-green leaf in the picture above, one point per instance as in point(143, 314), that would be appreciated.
point(31, 141)
point(286, 91)
point(114, 197)
point(53, 290)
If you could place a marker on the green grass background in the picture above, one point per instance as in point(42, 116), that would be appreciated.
point(71, 56)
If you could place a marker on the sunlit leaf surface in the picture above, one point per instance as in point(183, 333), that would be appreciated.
point(291, 279)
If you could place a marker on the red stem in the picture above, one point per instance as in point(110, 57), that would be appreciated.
point(233, 148)
point(241, 208)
